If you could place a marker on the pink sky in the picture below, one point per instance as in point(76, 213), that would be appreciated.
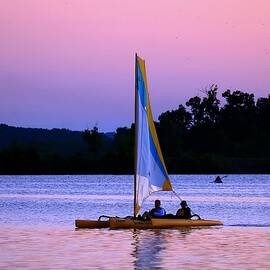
point(71, 63)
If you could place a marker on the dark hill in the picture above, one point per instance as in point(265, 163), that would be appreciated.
point(46, 151)
point(59, 141)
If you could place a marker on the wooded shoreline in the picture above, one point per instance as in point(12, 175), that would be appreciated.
point(200, 137)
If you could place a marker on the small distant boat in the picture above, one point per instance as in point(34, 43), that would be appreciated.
point(218, 179)
point(150, 171)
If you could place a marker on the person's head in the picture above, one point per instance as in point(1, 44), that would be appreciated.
point(157, 203)
point(183, 204)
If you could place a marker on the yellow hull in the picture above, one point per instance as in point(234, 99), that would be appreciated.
point(121, 223)
point(92, 224)
point(160, 223)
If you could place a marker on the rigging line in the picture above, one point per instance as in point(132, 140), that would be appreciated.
point(176, 195)
point(144, 199)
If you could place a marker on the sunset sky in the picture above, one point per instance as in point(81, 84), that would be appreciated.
point(70, 64)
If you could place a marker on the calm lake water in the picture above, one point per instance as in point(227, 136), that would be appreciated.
point(37, 231)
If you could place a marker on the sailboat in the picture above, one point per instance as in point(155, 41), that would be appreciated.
point(150, 173)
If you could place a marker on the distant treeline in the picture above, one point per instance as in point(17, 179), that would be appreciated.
point(201, 136)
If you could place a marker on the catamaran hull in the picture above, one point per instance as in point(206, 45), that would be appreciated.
point(160, 223)
point(92, 224)
point(120, 223)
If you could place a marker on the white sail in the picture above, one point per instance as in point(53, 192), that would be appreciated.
point(150, 170)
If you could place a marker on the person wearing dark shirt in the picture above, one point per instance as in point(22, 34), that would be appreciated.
point(184, 212)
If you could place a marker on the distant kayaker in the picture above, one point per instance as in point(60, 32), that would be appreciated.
point(156, 212)
point(218, 179)
point(184, 212)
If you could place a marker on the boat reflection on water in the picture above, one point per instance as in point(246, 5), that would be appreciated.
point(148, 251)
point(150, 246)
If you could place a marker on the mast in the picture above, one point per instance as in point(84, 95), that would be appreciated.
point(135, 144)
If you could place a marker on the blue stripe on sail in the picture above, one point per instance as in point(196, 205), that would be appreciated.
point(143, 128)
point(156, 157)
point(143, 146)
point(141, 87)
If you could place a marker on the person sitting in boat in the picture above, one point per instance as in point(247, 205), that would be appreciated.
point(157, 212)
point(184, 212)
